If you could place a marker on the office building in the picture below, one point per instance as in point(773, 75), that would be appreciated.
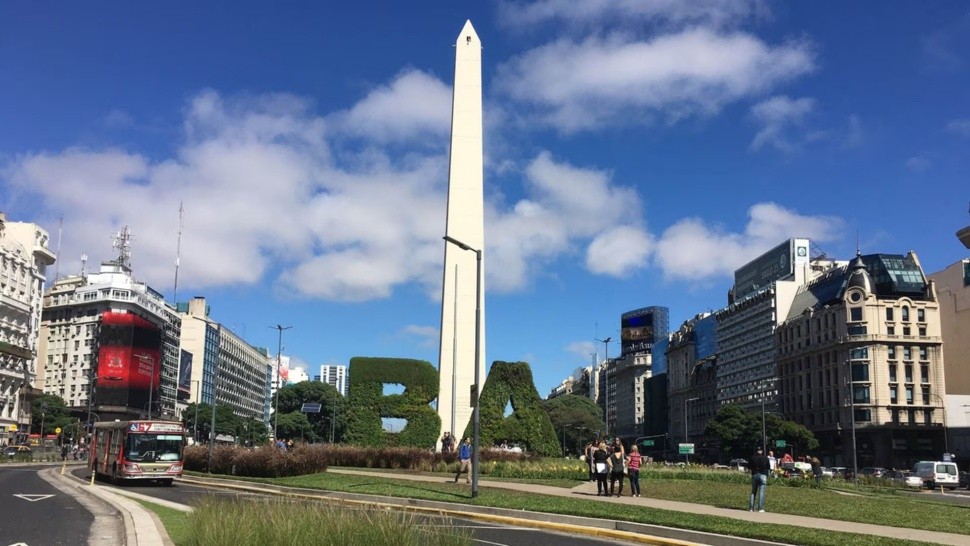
point(109, 342)
point(860, 355)
point(24, 258)
point(226, 368)
point(336, 375)
point(692, 384)
point(953, 290)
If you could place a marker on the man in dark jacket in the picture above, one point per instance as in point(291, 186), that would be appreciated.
point(759, 480)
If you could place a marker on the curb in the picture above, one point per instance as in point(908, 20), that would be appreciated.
point(141, 526)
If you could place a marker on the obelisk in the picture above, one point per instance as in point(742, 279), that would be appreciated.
point(465, 223)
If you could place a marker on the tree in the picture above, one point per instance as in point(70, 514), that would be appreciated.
point(227, 422)
point(740, 431)
point(332, 418)
point(252, 431)
point(578, 416)
point(295, 426)
point(50, 411)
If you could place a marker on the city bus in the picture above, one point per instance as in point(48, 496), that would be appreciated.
point(137, 450)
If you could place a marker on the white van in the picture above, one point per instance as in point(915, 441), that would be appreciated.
point(937, 474)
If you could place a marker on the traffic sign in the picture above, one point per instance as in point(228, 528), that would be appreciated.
point(57, 430)
point(310, 407)
point(647, 443)
point(685, 449)
point(13, 428)
point(780, 443)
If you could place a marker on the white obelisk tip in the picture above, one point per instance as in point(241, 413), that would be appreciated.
point(468, 35)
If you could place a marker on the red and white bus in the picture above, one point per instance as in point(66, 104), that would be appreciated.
point(138, 450)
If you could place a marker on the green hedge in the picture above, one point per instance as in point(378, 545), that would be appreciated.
point(528, 424)
point(367, 404)
point(260, 462)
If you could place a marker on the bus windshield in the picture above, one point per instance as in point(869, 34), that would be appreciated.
point(153, 447)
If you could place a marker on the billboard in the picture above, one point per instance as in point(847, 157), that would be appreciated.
point(641, 328)
point(129, 361)
point(771, 266)
point(185, 375)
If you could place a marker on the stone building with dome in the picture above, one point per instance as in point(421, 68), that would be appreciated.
point(861, 351)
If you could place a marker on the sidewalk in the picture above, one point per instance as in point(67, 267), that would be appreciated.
point(588, 490)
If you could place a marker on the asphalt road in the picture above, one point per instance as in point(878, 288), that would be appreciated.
point(483, 532)
point(35, 513)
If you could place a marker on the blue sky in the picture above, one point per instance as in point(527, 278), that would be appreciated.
point(637, 152)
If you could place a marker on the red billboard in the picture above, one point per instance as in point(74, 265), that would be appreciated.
point(129, 361)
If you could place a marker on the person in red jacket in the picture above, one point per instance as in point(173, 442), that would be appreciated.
point(633, 470)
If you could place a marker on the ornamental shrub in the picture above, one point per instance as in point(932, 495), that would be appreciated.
point(528, 424)
point(367, 404)
point(260, 462)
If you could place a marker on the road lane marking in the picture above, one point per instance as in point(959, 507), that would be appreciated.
point(32, 497)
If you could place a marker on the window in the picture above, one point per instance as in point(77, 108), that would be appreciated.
point(892, 373)
point(924, 373)
point(907, 353)
point(905, 314)
point(860, 371)
point(926, 396)
point(890, 330)
point(893, 394)
point(860, 394)
point(909, 373)
point(860, 353)
point(909, 394)
point(921, 315)
point(863, 415)
point(907, 331)
point(889, 314)
point(858, 330)
point(912, 417)
point(891, 352)
point(923, 353)
point(855, 314)
point(922, 331)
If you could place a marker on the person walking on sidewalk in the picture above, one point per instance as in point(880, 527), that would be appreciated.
point(633, 469)
point(616, 471)
point(759, 480)
point(600, 458)
point(465, 458)
point(588, 453)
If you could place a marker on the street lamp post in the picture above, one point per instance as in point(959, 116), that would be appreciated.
point(855, 456)
point(606, 375)
point(279, 380)
point(686, 400)
point(946, 442)
point(478, 341)
point(764, 437)
point(195, 422)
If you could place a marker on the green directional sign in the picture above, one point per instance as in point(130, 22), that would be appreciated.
point(647, 443)
point(685, 449)
point(780, 443)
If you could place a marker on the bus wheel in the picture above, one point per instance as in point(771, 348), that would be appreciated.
point(94, 469)
point(167, 483)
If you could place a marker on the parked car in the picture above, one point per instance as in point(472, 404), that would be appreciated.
point(840, 472)
point(903, 477)
point(739, 464)
point(872, 472)
point(938, 474)
point(827, 472)
point(965, 479)
point(796, 470)
point(19, 452)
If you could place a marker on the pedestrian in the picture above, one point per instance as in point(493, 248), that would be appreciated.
point(618, 444)
point(759, 480)
point(772, 462)
point(633, 470)
point(465, 460)
point(600, 458)
point(617, 468)
point(64, 450)
point(817, 470)
point(446, 442)
point(588, 457)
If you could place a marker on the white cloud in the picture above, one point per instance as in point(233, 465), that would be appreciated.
point(567, 206)
point(616, 79)
point(959, 126)
point(582, 13)
point(692, 250)
point(776, 115)
point(415, 105)
point(427, 335)
point(619, 251)
point(582, 348)
point(918, 163)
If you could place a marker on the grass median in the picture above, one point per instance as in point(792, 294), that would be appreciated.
point(504, 498)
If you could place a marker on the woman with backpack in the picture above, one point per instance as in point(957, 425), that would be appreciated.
point(601, 465)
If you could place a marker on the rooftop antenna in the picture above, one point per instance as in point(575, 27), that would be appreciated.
point(122, 243)
point(178, 255)
point(57, 262)
point(84, 263)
